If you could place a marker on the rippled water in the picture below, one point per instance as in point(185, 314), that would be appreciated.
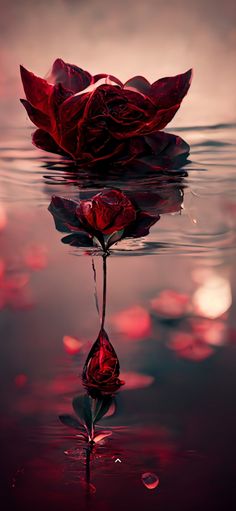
point(170, 316)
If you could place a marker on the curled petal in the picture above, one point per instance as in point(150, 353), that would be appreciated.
point(64, 214)
point(109, 78)
point(141, 225)
point(37, 90)
point(170, 91)
point(138, 83)
point(43, 140)
point(36, 116)
point(70, 76)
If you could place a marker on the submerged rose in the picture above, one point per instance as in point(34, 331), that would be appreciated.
point(91, 123)
point(101, 370)
point(108, 217)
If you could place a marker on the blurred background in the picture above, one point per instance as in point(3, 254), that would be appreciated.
point(154, 38)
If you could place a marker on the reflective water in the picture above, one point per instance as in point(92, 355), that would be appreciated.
point(170, 316)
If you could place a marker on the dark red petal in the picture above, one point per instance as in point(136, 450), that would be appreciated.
point(71, 111)
point(36, 116)
point(101, 369)
point(70, 76)
point(162, 118)
point(79, 239)
point(141, 225)
point(98, 77)
point(139, 83)
point(63, 211)
point(37, 90)
point(108, 211)
point(170, 91)
point(43, 140)
point(167, 145)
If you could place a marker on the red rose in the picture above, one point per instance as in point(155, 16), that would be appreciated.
point(105, 123)
point(101, 370)
point(107, 212)
point(108, 216)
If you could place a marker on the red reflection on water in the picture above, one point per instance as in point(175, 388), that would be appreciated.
point(197, 342)
point(21, 380)
point(134, 323)
point(3, 217)
point(36, 257)
point(14, 290)
point(136, 380)
point(187, 345)
point(72, 345)
point(171, 303)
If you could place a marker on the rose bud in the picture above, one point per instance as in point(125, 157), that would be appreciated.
point(108, 217)
point(101, 370)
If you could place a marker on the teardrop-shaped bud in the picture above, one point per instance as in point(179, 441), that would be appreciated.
point(101, 370)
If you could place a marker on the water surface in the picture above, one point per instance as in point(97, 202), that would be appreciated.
point(170, 316)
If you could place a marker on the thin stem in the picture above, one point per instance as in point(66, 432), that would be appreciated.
point(88, 452)
point(104, 294)
point(95, 286)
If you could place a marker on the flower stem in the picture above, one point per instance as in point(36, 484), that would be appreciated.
point(104, 257)
point(88, 452)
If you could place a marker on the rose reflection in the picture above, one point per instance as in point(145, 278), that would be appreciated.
point(106, 218)
point(102, 369)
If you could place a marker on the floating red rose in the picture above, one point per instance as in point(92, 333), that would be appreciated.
point(92, 123)
point(101, 370)
point(108, 217)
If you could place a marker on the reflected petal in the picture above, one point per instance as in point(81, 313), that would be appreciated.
point(170, 303)
point(134, 323)
point(72, 345)
point(136, 380)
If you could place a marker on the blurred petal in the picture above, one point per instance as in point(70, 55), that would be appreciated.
point(134, 323)
point(170, 303)
point(189, 346)
point(72, 346)
point(136, 380)
point(36, 257)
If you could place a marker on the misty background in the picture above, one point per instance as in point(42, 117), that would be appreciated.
point(154, 38)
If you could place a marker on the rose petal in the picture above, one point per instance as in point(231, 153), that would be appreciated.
point(70, 76)
point(36, 116)
point(168, 92)
point(63, 211)
point(37, 90)
point(43, 140)
point(138, 83)
point(134, 322)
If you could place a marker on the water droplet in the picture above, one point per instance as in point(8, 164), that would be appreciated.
point(150, 480)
